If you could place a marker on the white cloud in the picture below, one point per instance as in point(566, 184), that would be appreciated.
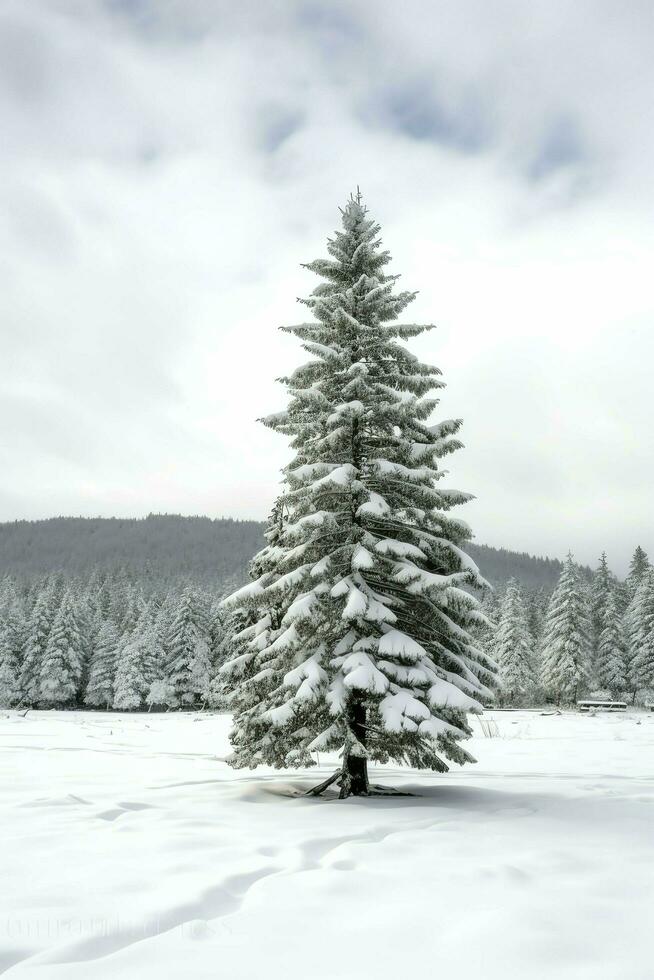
point(165, 167)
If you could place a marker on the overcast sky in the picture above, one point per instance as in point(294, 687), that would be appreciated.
point(166, 166)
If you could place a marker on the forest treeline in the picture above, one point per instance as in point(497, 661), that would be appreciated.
point(133, 638)
point(125, 614)
point(588, 638)
point(211, 552)
point(108, 640)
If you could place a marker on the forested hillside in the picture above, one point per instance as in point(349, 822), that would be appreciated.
point(499, 565)
point(160, 546)
point(169, 546)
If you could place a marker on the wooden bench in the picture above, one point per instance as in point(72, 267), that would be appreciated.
point(602, 705)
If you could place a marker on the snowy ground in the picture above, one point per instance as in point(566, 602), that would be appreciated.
point(130, 850)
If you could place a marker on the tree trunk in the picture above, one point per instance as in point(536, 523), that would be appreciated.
point(354, 778)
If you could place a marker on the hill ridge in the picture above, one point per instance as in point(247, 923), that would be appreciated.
point(212, 550)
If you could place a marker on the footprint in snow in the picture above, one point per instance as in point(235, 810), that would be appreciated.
point(122, 808)
point(69, 800)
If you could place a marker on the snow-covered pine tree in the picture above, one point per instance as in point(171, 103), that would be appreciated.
point(610, 655)
point(102, 671)
point(639, 569)
point(88, 626)
point(138, 665)
point(103, 597)
point(33, 587)
point(11, 639)
point(163, 622)
point(63, 662)
point(36, 640)
point(121, 601)
point(189, 666)
point(8, 595)
point(536, 602)
point(361, 641)
point(483, 633)
point(639, 566)
point(133, 612)
point(565, 643)
point(512, 648)
point(602, 586)
point(630, 627)
point(642, 668)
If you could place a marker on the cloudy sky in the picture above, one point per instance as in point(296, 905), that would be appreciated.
point(166, 165)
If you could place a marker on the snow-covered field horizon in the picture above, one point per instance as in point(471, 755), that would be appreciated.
point(131, 849)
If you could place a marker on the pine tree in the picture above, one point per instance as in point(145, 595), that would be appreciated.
point(610, 657)
point(121, 600)
point(86, 621)
point(63, 663)
point(137, 665)
point(630, 624)
point(166, 613)
point(536, 602)
point(602, 586)
point(639, 569)
point(8, 595)
point(100, 687)
point(565, 644)
point(36, 641)
point(10, 657)
point(512, 648)
point(361, 641)
point(133, 612)
point(103, 597)
point(627, 596)
point(642, 673)
point(639, 566)
point(189, 670)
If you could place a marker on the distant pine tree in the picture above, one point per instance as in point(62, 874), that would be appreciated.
point(63, 662)
point(536, 602)
point(8, 594)
point(610, 656)
point(88, 626)
point(638, 568)
point(513, 649)
point(602, 586)
point(163, 621)
point(100, 688)
point(37, 635)
point(137, 666)
point(133, 611)
point(565, 644)
point(11, 639)
point(632, 620)
point(119, 598)
point(643, 662)
point(189, 666)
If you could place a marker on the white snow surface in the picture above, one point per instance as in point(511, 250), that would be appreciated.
point(131, 850)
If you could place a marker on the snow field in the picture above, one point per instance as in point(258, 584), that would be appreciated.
point(131, 850)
